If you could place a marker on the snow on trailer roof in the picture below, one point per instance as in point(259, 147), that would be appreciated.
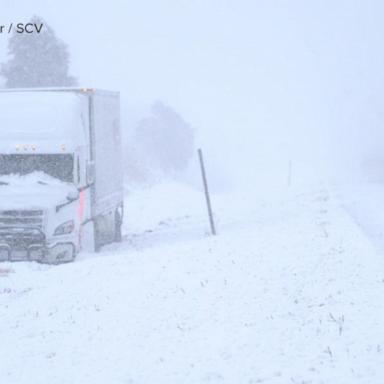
point(41, 115)
point(61, 89)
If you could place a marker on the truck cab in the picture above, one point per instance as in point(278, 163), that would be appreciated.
point(61, 188)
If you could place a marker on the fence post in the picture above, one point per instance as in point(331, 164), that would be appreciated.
point(207, 198)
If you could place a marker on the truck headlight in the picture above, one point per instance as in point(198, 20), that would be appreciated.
point(65, 228)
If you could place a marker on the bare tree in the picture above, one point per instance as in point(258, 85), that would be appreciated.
point(165, 141)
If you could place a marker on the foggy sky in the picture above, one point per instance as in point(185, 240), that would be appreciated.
point(262, 81)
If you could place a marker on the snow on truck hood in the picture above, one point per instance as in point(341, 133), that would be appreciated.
point(33, 191)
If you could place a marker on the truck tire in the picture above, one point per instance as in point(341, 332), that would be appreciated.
point(118, 225)
point(98, 239)
point(89, 241)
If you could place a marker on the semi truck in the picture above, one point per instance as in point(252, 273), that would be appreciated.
point(61, 176)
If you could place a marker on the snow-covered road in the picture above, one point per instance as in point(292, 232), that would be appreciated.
point(291, 291)
point(365, 203)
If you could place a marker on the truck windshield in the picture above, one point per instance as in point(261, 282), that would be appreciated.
point(59, 166)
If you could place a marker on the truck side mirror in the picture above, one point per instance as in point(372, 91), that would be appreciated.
point(73, 195)
point(90, 172)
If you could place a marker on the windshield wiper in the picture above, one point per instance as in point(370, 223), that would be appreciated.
point(3, 183)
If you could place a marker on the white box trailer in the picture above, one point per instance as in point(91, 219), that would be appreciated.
point(61, 176)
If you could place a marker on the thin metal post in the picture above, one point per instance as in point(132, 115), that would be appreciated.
point(207, 198)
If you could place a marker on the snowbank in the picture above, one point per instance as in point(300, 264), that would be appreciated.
point(290, 291)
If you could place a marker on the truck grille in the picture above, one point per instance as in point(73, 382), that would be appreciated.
point(22, 219)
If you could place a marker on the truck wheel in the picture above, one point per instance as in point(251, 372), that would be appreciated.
point(118, 224)
point(89, 241)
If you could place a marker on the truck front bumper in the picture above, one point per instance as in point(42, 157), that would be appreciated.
point(31, 245)
point(60, 253)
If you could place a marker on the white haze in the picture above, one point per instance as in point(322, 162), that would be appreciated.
point(263, 82)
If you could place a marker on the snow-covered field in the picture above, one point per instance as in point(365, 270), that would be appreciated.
point(291, 291)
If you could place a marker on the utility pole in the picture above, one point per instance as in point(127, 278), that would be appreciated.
point(207, 198)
